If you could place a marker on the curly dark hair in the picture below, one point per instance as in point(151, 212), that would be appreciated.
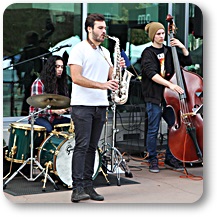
point(50, 80)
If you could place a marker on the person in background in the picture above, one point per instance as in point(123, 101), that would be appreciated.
point(91, 71)
point(52, 80)
point(31, 68)
point(157, 69)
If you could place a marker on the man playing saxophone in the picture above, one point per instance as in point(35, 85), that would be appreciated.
point(92, 75)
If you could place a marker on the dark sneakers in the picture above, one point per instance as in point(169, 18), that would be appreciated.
point(174, 164)
point(153, 166)
point(79, 194)
point(92, 193)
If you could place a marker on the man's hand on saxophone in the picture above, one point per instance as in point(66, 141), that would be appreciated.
point(114, 84)
point(122, 63)
point(111, 85)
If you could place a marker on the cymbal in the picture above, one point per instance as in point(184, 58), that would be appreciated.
point(54, 100)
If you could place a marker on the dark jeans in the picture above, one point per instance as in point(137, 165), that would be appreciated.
point(50, 126)
point(88, 123)
point(155, 113)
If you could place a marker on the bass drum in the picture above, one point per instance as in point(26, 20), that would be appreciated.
point(58, 149)
point(19, 148)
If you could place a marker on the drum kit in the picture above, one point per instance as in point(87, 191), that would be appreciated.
point(25, 139)
point(30, 145)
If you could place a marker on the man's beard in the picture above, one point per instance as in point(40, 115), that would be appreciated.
point(97, 37)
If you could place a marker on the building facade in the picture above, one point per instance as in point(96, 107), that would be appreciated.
point(59, 24)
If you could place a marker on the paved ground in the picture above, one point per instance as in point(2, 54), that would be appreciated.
point(164, 187)
point(161, 194)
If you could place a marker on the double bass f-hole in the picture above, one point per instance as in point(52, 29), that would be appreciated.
point(185, 138)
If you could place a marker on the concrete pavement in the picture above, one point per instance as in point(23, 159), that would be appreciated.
point(167, 186)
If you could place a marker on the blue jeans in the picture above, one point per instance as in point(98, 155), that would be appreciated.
point(50, 126)
point(88, 123)
point(155, 113)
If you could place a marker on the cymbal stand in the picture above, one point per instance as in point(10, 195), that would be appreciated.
point(32, 159)
point(116, 157)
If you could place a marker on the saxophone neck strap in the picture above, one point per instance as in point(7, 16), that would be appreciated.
point(91, 44)
point(100, 51)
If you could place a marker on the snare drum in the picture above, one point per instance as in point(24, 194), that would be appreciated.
point(64, 127)
point(19, 148)
point(58, 149)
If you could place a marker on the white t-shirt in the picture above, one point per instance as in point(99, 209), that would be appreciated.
point(94, 67)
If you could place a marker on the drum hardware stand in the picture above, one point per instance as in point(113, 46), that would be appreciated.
point(105, 175)
point(48, 166)
point(32, 159)
point(115, 130)
point(116, 157)
point(13, 152)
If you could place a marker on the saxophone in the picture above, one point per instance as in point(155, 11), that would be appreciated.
point(120, 95)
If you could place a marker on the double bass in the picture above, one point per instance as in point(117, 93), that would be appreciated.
point(185, 137)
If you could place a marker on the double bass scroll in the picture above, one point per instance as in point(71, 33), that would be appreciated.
point(185, 137)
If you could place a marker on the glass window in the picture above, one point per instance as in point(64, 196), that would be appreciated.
point(195, 38)
point(56, 24)
point(30, 30)
point(193, 35)
point(126, 21)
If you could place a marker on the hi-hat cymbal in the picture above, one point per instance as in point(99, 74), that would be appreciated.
point(54, 100)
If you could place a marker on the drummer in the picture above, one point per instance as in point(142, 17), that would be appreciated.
point(52, 80)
